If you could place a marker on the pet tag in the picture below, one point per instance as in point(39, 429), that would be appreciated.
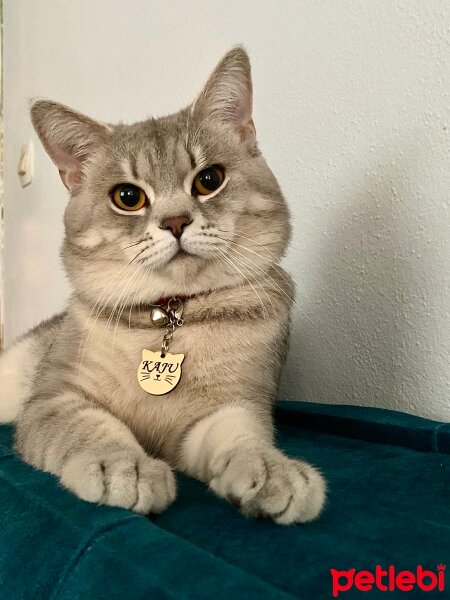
point(160, 372)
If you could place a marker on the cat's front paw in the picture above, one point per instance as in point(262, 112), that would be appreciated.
point(261, 481)
point(124, 478)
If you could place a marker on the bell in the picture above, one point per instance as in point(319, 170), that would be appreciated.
point(159, 316)
point(176, 306)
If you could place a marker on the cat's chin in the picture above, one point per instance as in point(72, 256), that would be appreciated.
point(185, 261)
point(189, 274)
point(183, 255)
point(184, 265)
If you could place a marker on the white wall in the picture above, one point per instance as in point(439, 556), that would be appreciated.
point(352, 110)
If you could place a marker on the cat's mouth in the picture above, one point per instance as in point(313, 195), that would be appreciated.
point(183, 254)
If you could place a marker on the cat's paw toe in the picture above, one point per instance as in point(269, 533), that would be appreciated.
point(261, 481)
point(294, 493)
point(156, 487)
point(83, 475)
point(238, 476)
point(124, 479)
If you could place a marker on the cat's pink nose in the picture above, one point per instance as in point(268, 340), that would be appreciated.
point(176, 225)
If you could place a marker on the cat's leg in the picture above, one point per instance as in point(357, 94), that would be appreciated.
point(232, 451)
point(18, 364)
point(93, 453)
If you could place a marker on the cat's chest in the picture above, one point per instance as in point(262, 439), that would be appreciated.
point(209, 364)
point(200, 356)
point(133, 360)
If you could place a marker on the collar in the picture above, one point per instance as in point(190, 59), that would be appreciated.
point(161, 302)
point(223, 304)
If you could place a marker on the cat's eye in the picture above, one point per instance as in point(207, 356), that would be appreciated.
point(208, 180)
point(129, 197)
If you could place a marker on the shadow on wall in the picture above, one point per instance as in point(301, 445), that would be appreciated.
point(372, 343)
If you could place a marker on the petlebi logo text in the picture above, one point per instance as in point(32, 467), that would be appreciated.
point(388, 579)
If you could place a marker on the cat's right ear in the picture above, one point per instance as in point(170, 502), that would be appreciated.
point(68, 137)
point(228, 96)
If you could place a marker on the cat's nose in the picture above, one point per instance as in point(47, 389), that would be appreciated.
point(176, 225)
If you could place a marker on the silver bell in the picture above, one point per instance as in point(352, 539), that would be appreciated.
point(176, 306)
point(159, 316)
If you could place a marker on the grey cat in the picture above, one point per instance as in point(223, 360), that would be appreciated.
point(178, 207)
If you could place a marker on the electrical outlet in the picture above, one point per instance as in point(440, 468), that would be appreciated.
point(25, 168)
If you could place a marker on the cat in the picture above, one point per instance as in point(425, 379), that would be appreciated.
point(180, 207)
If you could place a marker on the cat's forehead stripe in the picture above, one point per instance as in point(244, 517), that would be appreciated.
point(162, 164)
point(143, 165)
point(191, 158)
point(199, 155)
point(127, 170)
point(133, 166)
point(131, 175)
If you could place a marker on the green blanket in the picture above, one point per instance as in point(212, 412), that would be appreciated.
point(389, 504)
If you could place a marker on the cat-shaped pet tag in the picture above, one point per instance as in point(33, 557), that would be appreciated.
point(159, 373)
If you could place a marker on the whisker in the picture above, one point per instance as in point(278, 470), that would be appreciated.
point(253, 271)
point(100, 304)
point(145, 274)
point(144, 239)
point(271, 262)
point(275, 263)
point(138, 254)
point(136, 275)
point(271, 281)
point(225, 257)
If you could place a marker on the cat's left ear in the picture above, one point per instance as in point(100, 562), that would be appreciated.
point(68, 137)
point(228, 95)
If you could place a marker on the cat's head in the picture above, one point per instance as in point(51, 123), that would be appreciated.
point(170, 206)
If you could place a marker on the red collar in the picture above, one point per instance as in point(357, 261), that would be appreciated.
point(165, 301)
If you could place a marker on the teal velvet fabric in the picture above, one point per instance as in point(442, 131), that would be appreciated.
point(389, 504)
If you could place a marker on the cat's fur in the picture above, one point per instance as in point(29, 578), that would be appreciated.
point(84, 417)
